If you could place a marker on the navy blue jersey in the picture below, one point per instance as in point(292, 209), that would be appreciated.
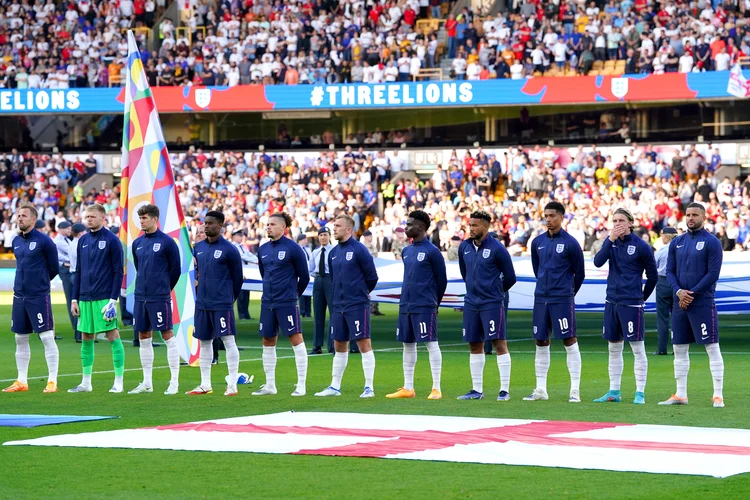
point(99, 270)
point(488, 273)
point(283, 267)
point(36, 264)
point(425, 278)
point(558, 267)
point(628, 258)
point(157, 260)
point(219, 269)
point(694, 263)
point(353, 274)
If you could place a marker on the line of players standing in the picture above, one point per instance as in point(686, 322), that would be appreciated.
point(692, 269)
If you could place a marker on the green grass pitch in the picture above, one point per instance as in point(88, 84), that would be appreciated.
point(29, 472)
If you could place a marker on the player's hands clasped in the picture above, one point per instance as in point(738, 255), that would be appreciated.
point(686, 298)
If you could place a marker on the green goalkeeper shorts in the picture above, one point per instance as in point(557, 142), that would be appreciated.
point(92, 319)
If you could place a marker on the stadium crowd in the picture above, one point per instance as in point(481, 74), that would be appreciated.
point(49, 44)
point(513, 187)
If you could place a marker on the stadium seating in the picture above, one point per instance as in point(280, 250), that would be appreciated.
point(279, 42)
point(653, 183)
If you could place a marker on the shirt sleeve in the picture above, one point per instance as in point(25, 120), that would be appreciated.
point(578, 266)
point(461, 263)
point(175, 265)
point(505, 264)
point(672, 267)
point(715, 257)
point(260, 266)
point(602, 255)
point(135, 254)
point(303, 273)
point(312, 265)
point(77, 274)
point(440, 273)
point(50, 254)
point(652, 276)
point(368, 268)
point(235, 271)
point(115, 254)
point(534, 259)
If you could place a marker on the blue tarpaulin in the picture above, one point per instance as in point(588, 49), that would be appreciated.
point(7, 420)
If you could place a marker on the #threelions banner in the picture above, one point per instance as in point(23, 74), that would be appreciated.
point(662, 449)
point(147, 178)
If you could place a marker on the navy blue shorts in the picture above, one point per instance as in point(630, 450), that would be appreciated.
point(212, 324)
point(152, 316)
point(698, 324)
point(417, 327)
point(285, 319)
point(354, 325)
point(31, 315)
point(560, 318)
point(480, 326)
point(623, 323)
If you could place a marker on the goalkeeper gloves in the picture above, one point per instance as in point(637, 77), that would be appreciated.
point(109, 311)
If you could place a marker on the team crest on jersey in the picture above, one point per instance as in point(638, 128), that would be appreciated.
point(217, 254)
point(157, 247)
point(700, 245)
point(631, 249)
point(32, 245)
point(420, 256)
point(535, 330)
point(102, 245)
point(282, 254)
point(560, 248)
point(349, 255)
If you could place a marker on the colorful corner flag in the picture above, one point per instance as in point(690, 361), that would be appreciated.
point(147, 178)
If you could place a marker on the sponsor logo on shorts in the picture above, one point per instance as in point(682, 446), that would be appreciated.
point(631, 249)
point(560, 248)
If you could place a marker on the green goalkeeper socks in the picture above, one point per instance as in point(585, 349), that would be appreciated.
point(118, 357)
point(87, 356)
